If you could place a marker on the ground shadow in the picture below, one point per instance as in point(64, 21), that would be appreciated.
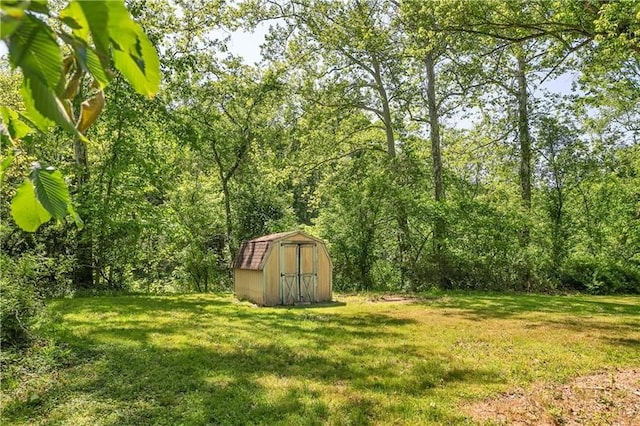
point(481, 305)
point(263, 366)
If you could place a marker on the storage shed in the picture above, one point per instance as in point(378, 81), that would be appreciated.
point(283, 269)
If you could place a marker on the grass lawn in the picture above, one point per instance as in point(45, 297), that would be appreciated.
point(206, 359)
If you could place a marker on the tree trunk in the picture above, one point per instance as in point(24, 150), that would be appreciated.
point(83, 270)
point(404, 240)
point(525, 142)
point(386, 116)
point(228, 221)
point(439, 227)
point(525, 160)
point(557, 232)
point(434, 127)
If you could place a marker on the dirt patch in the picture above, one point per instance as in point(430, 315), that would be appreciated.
point(609, 398)
point(397, 298)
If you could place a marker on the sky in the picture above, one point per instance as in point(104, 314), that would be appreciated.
point(247, 44)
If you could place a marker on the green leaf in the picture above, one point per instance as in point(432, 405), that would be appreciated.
point(40, 120)
point(26, 210)
point(33, 48)
point(97, 16)
point(74, 17)
point(39, 6)
point(90, 62)
point(8, 26)
point(51, 190)
point(17, 128)
point(44, 107)
point(133, 54)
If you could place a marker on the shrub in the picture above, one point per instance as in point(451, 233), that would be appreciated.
point(601, 276)
point(19, 302)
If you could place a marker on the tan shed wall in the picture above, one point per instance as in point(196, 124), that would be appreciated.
point(248, 285)
point(290, 260)
point(306, 259)
point(325, 275)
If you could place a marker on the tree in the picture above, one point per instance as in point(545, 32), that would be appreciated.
point(234, 109)
point(601, 26)
point(361, 71)
point(429, 47)
point(96, 32)
point(51, 83)
point(561, 155)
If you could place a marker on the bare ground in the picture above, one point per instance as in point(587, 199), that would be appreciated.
point(608, 398)
point(391, 298)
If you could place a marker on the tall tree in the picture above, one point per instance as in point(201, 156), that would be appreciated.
point(95, 33)
point(234, 107)
point(361, 70)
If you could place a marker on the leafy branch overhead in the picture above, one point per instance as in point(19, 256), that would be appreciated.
point(99, 34)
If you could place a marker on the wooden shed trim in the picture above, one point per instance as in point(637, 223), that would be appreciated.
point(264, 286)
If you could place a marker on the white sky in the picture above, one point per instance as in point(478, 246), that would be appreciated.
point(247, 44)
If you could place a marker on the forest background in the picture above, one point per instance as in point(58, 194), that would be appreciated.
point(417, 138)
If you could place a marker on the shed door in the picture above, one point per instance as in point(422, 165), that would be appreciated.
point(298, 273)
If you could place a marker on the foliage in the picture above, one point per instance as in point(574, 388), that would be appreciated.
point(20, 304)
point(600, 276)
point(50, 82)
point(337, 128)
point(355, 219)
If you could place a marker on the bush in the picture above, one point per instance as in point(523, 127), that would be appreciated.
point(19, 303)
point(600, 276)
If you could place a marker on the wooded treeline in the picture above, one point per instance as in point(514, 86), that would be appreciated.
point(421, 140)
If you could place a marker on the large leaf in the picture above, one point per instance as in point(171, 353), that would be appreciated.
point(97, 16)
point(74, 17)
point(44, 107)
point(26, 210)
point(94, 66)
point(41, 121)
point(133, 54)
point(39, 6)
point(51, 191)
point(33, 48)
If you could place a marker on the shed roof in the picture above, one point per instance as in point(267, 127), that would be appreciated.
point(252, 253)
point(273, 237)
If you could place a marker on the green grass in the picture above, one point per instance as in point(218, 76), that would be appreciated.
point(204, 359)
